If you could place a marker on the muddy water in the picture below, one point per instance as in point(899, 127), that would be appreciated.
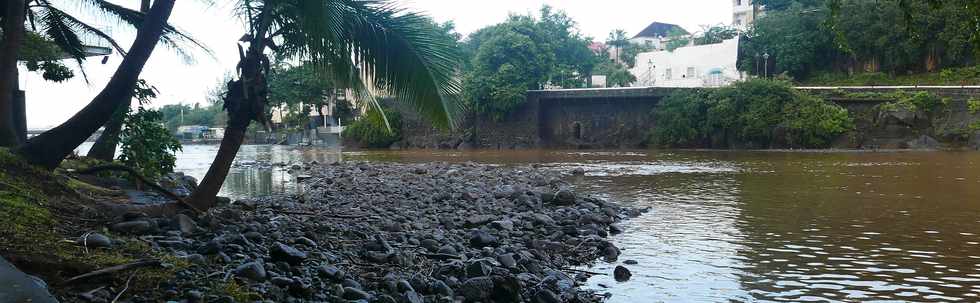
point(747, 226)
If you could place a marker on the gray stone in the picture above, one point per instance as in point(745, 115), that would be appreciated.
point(502, 224)
point(351, 293)
point(442, 289)
point(289, 254)
point(95, 240)
point(133, 227)
point(252, 270)
point(480, 239)
point(546, 296)
point(565, 197)
point(282, 281)
point(448, 250)
point(621, 274)
point(478, 268)
point(543, 219)
point(305, 241)
point(430, 245)
point(507, 260)
point(476, 289)
point(615, 229)
point(197, 259)
point(412, 297)
point(331, 272)
point(16, 286)
point(186, 224)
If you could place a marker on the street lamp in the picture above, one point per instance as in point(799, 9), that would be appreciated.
point(765, 58)
point(757, 64)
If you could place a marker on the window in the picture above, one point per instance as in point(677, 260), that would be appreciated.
point(668, 74)
point(690, 72)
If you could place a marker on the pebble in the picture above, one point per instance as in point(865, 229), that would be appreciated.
point(622, 274)
point(251, 270)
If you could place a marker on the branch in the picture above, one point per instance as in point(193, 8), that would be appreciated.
point(132, 172)
point(112, 269)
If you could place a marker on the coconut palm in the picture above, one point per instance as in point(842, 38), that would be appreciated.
point(365, 45)
point(50, 148)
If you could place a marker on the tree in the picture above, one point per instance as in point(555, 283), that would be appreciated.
point(360, 44)
point(715, 34)
point(51, 147)
point(796, 40)
point(13, 37)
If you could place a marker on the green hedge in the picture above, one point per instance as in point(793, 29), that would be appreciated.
point(751, 114)
point(370, 132)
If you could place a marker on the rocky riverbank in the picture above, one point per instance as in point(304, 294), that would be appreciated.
point(389, 233)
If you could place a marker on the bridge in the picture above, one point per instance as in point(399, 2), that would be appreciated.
point(623, 117)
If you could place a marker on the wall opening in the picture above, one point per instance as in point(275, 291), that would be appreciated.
point(577, 131)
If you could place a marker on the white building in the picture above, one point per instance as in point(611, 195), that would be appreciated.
point(711, 65)
point(657, 34)
point(744, 13)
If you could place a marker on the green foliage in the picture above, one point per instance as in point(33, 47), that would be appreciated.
point(715, 34)
point(147, 146)
point(523, 53)
point(677, 39)
point(370, 131)
point(747, 114)
point(796, 40)
point(42, 54)
point(903, 100)
point(616, 74)
point(973, 105)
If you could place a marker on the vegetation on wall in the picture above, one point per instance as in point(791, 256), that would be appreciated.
point(751, 114)
point(370, 131)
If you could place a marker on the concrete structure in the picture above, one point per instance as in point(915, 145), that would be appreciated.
point(711, 65)
point(624, 118)
point(744, 13)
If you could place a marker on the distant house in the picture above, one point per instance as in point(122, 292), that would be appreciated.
point(710, 65)
point(657, 34)
point(744, 13)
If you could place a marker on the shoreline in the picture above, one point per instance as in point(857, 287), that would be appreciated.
point(384, 232)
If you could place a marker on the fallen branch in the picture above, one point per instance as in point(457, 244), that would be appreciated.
point(113, 269)
point(124, 289)
point(133, 173)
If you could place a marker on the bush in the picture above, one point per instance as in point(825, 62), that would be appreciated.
point(370, 132)
point(147, 146)
point(747, 114)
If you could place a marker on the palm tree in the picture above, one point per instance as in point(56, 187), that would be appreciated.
point(50, 148)
point(365, 45)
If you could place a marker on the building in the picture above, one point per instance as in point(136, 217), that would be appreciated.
point(657, 34)
point(744, 13)
point(710, 65)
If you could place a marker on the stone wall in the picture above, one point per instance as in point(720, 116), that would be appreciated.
point(623, 118)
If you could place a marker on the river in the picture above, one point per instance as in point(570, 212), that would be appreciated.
point(743, 226)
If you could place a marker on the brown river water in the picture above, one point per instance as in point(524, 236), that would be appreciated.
point(743, 226)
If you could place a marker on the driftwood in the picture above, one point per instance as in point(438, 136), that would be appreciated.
point(132, 172)
point(113, 269)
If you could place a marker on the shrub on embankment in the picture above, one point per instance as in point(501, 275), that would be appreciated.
point(750, 114)
point(370, 131)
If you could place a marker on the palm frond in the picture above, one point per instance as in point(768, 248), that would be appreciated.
point(174, 38)
point(382, 46)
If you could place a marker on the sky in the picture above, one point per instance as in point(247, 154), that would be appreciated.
point(178, 81)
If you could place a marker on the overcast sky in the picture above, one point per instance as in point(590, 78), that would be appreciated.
point(49, 104)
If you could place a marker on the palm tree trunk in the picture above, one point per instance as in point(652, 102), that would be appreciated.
point(51, 147)
point(13, 31)
point(105, 147)
point(245, 102)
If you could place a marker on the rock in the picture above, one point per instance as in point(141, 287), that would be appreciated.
point(622, 274)
point(506, 289)
point(351, 293)
point(186, 224)
point(441, 288)
point(305, 241)
point(412, 297)
point(197, 259)
point(16, 286)
point(195, 296)
point(478, 220)
point(478, 268)
point(476, 289)
point(615, 229)
point(430, 245)
point(480, 239)
point(448, 250)
point(610, 253)
point(565, 197)
point(403, 286)
point(282, 281)
point(507, 260)
point(289, 254)
point(578, 171)
point(546, 296)
point(331, 272)
point(252, 270)
point(630, 262)
point(543, 219)
point(94, 240)
point(133, 227)
point(503, 224)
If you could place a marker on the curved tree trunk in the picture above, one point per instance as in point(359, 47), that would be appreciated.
point(13, 40)
point(51, 147)
point(244, 102)
point(105, 147)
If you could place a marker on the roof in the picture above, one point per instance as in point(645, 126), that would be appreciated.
point(658, 29)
